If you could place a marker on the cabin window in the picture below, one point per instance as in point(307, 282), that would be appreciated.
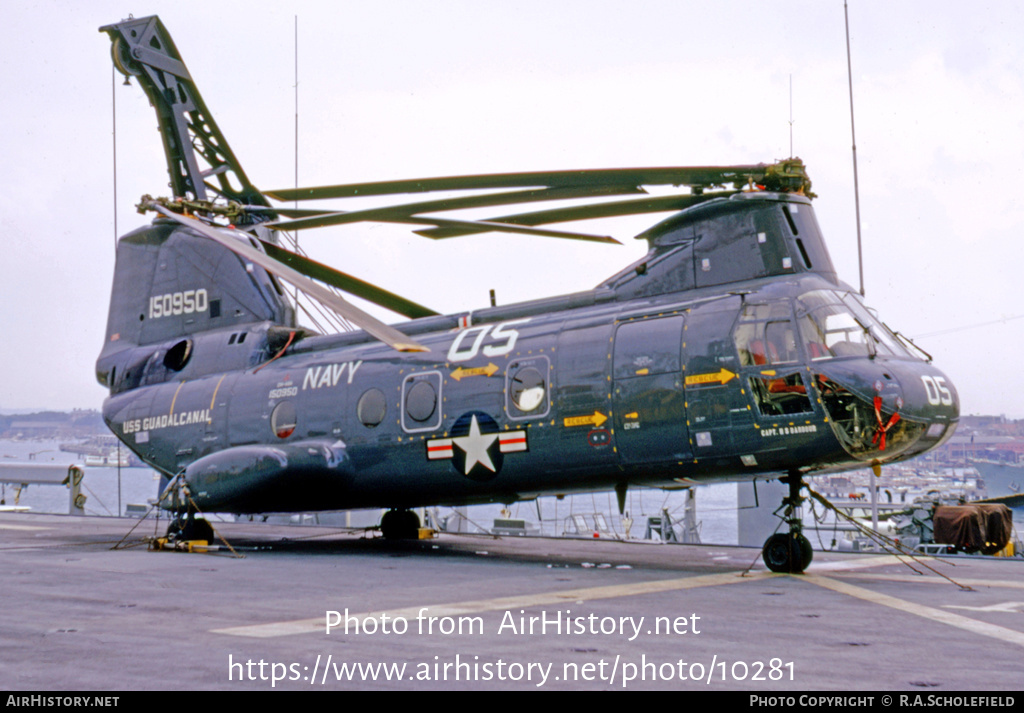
point(372, 408)
point(283, 419)
point(648, 346)
point(527, 388)
point(421, 399)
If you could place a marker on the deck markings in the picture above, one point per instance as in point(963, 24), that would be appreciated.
point(318, 624)
point(859, 563)
point(945, 617)
point(929, 579)
point(1006, 607)
point(848, 568)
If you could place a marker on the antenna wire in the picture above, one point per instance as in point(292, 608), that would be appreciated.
point(853, 137)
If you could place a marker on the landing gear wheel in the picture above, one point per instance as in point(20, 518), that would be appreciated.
point(788, 552)
point(400, 525)
point(188, 528)
point(807, 552)
point(779, 553)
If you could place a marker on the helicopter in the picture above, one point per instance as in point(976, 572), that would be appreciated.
point(730, 351)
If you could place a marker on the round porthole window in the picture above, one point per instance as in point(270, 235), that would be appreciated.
point(420, 401)
point(527, 389)
point(283, 419)
point(371, 408)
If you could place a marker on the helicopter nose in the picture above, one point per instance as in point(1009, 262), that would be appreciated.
point(883, 410)
point(929, 397)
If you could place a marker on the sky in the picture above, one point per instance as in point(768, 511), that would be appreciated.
point(400, 89)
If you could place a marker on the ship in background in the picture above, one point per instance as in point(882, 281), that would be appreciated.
point(994, 447)
point(1003, 480)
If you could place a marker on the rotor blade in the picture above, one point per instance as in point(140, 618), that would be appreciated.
point(586, 212)
point(392, 214)
point(676, 176)
point(483, 226)
point(288, 212)
point(389, 335)
point(477, 226)
point(348, 283)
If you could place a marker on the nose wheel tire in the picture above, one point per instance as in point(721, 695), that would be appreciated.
point(788, 552)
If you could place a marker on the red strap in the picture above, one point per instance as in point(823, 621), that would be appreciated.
point(883, 428)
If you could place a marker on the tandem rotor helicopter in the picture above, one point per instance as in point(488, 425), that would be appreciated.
point(731, 351)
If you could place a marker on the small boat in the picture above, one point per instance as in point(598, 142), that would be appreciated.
point(115, 460)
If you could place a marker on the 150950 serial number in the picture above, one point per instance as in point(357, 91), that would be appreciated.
point(173, 303)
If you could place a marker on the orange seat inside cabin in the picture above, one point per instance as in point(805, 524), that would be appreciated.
point(764, 354)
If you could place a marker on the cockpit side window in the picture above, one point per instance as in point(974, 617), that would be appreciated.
point(765, 335)
point(766, 339)
point(838, 325)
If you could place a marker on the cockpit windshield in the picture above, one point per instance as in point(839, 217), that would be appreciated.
point(836, 324)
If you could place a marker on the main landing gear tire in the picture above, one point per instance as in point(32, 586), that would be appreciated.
point(188, 528)
point(400, 525)
point(787, 552)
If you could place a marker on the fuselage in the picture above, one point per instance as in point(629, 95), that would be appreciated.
point(512, 402)
point(731, 350)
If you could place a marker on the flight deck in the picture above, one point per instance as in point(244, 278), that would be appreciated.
point(89, 607)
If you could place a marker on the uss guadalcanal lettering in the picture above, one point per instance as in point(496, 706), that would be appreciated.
point(167, 420)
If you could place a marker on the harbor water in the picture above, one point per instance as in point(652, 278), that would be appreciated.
point(110, 490)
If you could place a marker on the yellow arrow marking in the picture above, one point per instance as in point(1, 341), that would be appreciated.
point(723, 376)
point(489, 370)
point(595, 419)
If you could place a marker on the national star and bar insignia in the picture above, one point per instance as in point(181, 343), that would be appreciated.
point(476, 446)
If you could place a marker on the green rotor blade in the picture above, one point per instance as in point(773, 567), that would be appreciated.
point(677, 176)
point(348, 283)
